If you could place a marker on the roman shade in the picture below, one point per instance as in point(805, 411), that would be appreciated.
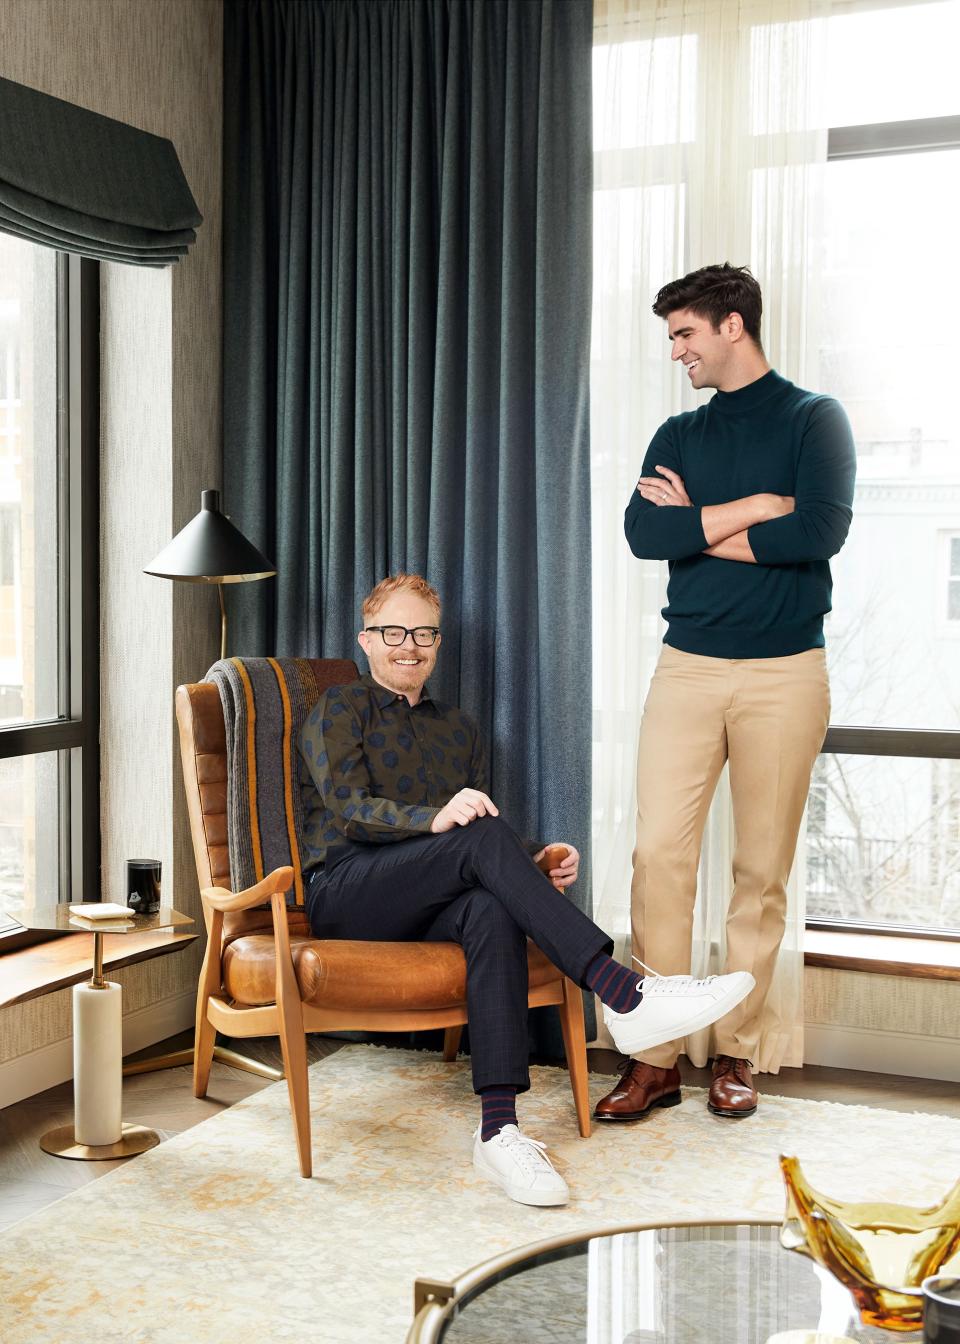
point(80, 182)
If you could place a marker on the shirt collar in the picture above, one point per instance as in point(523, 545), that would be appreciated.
point(754, 394)
point(383, 696)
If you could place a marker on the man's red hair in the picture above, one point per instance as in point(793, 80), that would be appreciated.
point(399, 583)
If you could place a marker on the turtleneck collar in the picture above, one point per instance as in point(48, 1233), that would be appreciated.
point(753, 395)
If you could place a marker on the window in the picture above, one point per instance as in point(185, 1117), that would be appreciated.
point(49, 615)
point(881, 850)
point(711, 127)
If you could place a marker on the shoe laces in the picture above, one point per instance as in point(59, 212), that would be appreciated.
point(726, 1064)
point(671, 984)
point(530, 1154)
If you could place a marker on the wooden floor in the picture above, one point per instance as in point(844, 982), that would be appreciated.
point(31, 1179)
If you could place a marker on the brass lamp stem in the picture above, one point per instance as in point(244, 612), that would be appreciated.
point(223, 622)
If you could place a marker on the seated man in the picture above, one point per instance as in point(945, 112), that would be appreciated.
point(405, 843)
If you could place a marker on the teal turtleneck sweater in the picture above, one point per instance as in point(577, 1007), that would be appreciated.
point(766, 437)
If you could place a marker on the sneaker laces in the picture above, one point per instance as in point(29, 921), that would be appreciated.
point(666, 980)
point(530, 1154)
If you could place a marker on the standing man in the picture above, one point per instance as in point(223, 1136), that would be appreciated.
point(747, 498)
point(405, 843)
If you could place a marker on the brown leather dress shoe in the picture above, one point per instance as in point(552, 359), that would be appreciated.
point(640, 1089)
point(732, 1092)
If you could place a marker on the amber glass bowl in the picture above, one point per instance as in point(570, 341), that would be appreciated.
point(880, 1252)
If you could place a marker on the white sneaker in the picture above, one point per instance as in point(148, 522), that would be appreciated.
point(520, 1166)
point(674, 1005)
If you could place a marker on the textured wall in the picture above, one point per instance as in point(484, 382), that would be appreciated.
point(882, 1003)
point(157, 65)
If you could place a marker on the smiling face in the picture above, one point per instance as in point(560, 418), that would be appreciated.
point(404, 667)
point(709, 356)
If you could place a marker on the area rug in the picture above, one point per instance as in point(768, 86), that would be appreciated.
point(213, 1237)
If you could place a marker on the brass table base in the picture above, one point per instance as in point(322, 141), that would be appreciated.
point(134, 1139)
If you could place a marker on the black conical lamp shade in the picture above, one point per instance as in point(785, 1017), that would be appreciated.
point(210, 550)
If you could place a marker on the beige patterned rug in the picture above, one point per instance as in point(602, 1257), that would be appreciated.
point(213, 1237)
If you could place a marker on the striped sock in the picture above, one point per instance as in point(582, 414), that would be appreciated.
point(499, 1109)
point(615, 985)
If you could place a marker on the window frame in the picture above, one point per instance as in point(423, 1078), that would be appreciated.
point(77, 724)
point(856, 142)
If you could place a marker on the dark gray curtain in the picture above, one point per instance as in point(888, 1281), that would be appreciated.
point(407, 262)
point(74, 180)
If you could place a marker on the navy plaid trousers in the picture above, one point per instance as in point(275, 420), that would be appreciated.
point(477, 886)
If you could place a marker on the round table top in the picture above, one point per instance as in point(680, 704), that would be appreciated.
point(59, 919)
point(681, 1284)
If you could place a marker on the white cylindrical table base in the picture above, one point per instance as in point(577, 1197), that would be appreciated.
point(97, 1061)
point(98, 1131)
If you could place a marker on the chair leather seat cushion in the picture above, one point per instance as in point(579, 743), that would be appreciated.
point(344, 973)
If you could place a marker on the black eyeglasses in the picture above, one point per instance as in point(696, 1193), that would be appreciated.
point(424, 635)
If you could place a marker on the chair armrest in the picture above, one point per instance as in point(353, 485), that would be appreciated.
point(280, 880)
point(553, 856)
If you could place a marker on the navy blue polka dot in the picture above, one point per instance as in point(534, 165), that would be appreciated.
point(343, 791)
point(391, 760)
point(404, 740)
point(366, 810)
point(460, 737)
point(308, 748)
point(330, 835)
point(326, 725)
point(376, 740)
point(322, 758)
point(439, 755)
point(404, 783)
point(422, 775)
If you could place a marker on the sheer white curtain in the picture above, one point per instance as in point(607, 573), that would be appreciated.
point(709, 143)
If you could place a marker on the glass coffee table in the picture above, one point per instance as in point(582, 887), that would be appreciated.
point(682, 1283)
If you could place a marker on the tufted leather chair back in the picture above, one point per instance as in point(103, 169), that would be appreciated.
point(203, 753)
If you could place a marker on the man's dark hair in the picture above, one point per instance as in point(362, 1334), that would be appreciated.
point(714, 292)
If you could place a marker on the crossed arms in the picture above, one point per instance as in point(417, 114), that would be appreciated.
point(663, 523)
point(725, 526)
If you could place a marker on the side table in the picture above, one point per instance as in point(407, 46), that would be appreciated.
point(98, 1131)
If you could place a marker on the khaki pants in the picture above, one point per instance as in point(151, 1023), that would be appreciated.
point(768, 717)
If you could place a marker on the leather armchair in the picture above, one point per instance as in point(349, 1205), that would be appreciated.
point(264, 974)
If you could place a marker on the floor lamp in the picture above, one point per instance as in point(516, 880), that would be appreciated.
point(210, 549)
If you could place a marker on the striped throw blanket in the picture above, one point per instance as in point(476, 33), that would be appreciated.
point(265, 702)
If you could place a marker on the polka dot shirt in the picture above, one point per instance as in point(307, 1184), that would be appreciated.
point(375, 769)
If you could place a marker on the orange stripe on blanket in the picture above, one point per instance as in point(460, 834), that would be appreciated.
point(288, 781)
point(251, 768)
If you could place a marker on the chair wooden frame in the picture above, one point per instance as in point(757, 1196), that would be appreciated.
point(289, 1017)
